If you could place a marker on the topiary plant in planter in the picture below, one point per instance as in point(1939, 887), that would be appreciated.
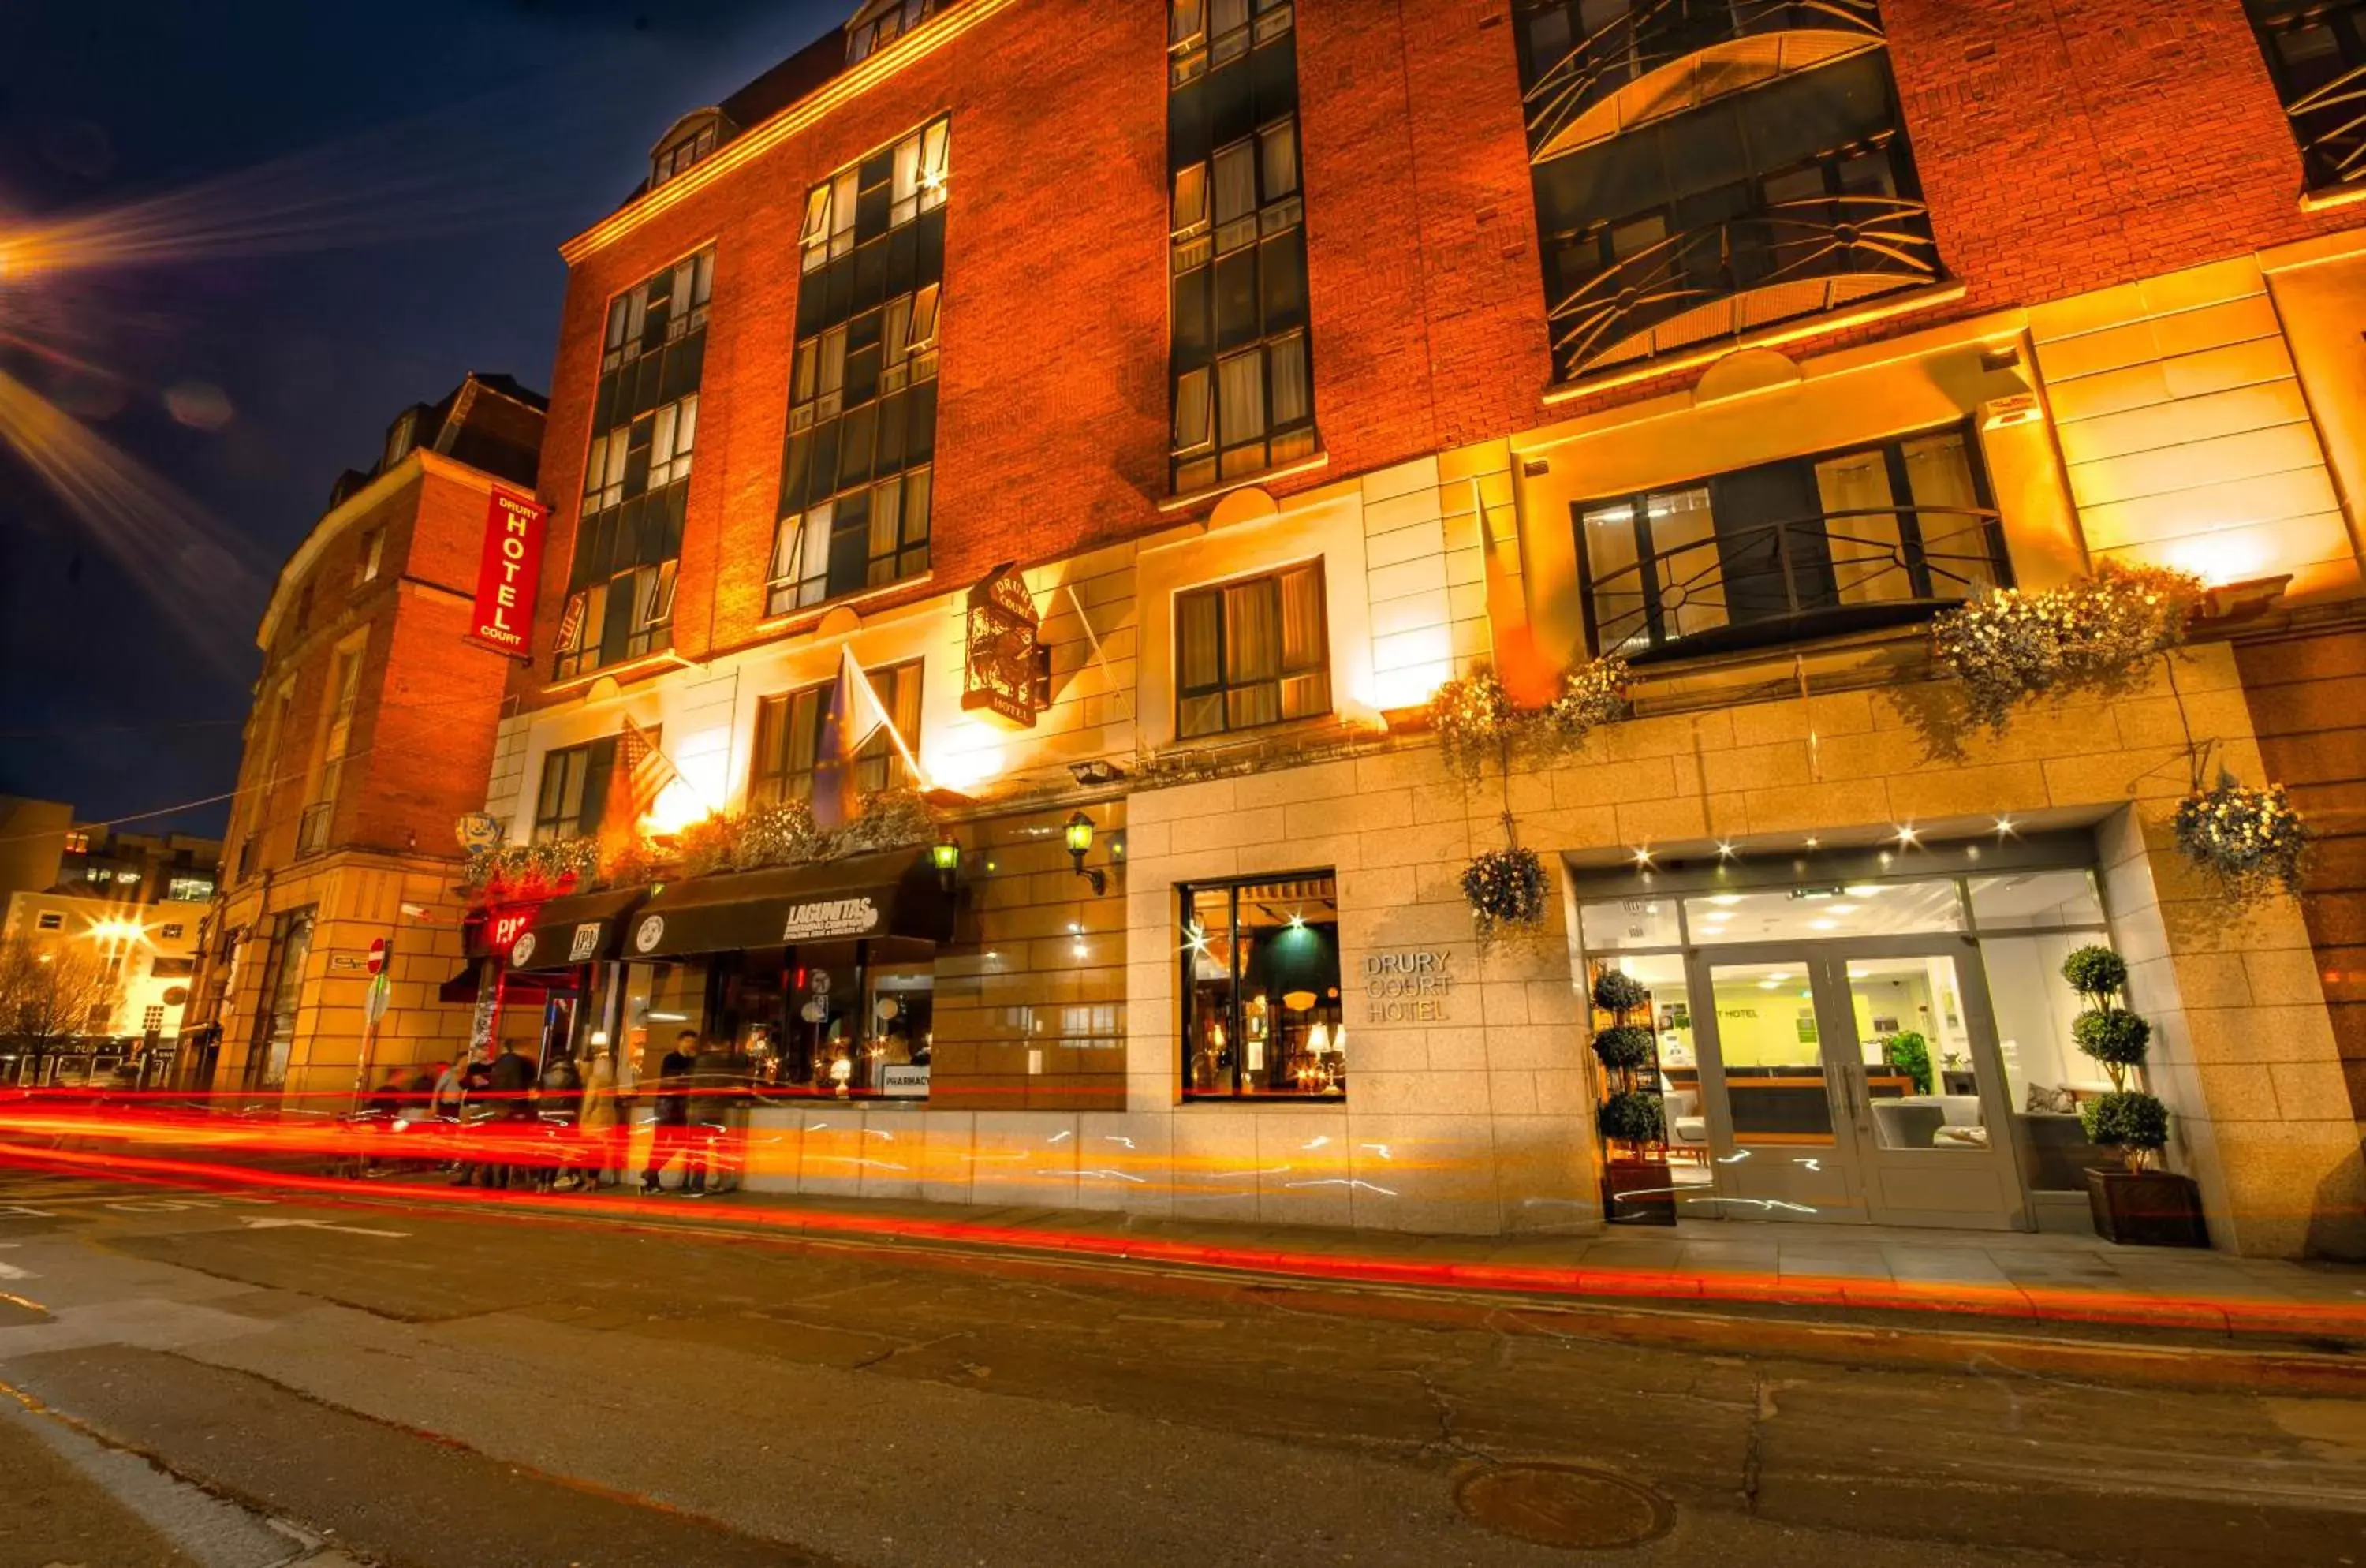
point(1908, 1052)
point(1632, 1119)
point(2136, 1203)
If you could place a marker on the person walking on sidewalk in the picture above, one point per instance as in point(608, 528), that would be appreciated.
point(512, 1093)
point(471, 1107)
point(559, 1112)
point(602, 1124)
point(668, 1118)
point(713, 1100)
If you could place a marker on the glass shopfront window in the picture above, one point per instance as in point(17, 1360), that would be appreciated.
point(1262, 1015)
point(661, 1001)
point(1816, 913)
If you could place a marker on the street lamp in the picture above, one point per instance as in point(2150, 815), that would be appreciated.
point(945, 855)
point(1079, 835)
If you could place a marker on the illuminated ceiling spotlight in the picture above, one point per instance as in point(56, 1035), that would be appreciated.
point(1908, 836)
point(2004, 826)
point(1298, 920)
point(1643, 855)
point(1814, 842)
point(1726, 848)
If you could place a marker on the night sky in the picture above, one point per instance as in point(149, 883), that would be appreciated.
point(346, 207)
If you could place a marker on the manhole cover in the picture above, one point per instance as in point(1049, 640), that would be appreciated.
point(1563, 1505)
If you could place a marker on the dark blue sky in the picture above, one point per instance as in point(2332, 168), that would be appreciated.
point(359, 204)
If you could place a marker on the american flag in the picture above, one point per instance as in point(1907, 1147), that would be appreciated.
point(647, 769)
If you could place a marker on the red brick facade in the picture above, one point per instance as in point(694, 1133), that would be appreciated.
point(2063, 145)
point(424, 719)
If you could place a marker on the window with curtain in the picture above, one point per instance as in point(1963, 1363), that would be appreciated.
point(854, 507)
point(1240, 368)
point(1904, 525)
point(1252, 653)
point(789, 729)
point(637, 473)
point(574, 790)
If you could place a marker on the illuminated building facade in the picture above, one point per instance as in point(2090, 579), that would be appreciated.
point(372, 715)
point(1156, 438)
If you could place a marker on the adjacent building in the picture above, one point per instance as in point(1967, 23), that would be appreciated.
point(1153, 427)
point(375, 713)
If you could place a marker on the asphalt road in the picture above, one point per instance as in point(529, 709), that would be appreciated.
point(237, 1382)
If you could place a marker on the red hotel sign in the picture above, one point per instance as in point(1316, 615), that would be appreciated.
point(506, 574)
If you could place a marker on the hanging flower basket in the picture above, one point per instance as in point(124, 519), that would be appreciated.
point(1593, 694)
point(1506, 889)
point(1474, 719)
point(2092, 635)
point(2251, 840)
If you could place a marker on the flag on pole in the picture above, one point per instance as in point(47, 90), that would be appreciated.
point(641, 773)
point(854, 716)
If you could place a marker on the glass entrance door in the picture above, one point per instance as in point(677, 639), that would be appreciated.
point(1854, 1082)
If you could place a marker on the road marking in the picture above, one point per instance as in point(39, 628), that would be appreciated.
point(273, 1223)
point(20, 1212)
point(10, 1271)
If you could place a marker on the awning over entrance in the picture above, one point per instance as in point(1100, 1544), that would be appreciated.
point(892, 895)
point(467, 985)
point(582, 927)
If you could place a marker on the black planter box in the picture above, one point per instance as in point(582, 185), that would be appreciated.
point(2153, 1208)
point(1639, 1192)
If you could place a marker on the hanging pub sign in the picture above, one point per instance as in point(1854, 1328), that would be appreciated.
point(506, 574)
point(1002, 642)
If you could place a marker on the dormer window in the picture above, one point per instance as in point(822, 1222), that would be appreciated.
point(882, 22)
point(399, 438)
point(691, 139)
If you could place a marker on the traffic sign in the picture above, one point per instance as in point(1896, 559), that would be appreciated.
point(377, 954)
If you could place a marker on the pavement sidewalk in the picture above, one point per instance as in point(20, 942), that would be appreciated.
point(2002, 1277)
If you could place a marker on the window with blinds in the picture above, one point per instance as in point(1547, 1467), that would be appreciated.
point(1252, 653)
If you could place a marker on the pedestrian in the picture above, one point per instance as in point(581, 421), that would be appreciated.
point(711, 1101)
point(471, 1109)
point(444, 1105)
point(668, 1116)
point(559, 1109)
point(512, 1093)
point(602, 1123)
point(380, 1112)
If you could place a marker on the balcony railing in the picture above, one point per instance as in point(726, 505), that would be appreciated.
point(312, 829)
point(1843, 571)
point(2330, 124)
point(1793, 259)
point(1670, 55)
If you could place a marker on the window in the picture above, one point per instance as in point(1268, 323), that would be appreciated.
point(789, 738)
point(50, 920)
point(170, 931)
point(1878, 534)
point(78, 842)
point(637, 473)
point(855, 482)
point(2316, 53)
point(190, 889)
point(151, 1019)
point(882, 22)
point(1252, 653)
point(1242, 379)
point(677, 155)
point(370, 557)
point(574, 791)
point(170, 968)
point(398, 439)
point(1806, 179)
point(1262, 1012)
point(302, 621)
point(336, 739)
point(283, 989)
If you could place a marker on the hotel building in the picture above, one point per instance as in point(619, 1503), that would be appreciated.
point(1158, 403)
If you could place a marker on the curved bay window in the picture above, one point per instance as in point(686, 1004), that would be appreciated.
point(1878, 535)
point(855, 482)
point(1795, 197)
point(1262, 1013)
point(2316, 53)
